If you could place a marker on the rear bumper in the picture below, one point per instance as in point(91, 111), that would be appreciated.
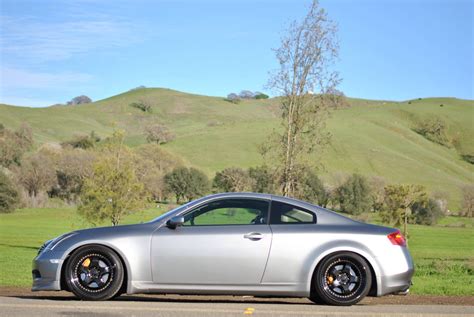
point(47, 271)
point(397, 272)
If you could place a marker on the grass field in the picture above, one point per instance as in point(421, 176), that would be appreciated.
point(443, 255)
point(374, 138)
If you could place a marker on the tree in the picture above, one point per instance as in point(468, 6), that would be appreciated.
point(233, 179)
point(112, 192)
point(9, 197)
point(72, 168)
point(398, 202)
point(246, 94)
point(260, 95)
point(158, 133)
point(307, 84)
point(13, 144)
point(263, 179)
point(468, 200)
point(82, 99)
point(354, 195)
point(36, 174)
point(377, 193)
point(313, 190)
point(151, 163)
point(233, 97)
point(83, 141)
point(187, 183)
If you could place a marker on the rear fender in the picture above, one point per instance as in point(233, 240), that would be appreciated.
point(342, 246)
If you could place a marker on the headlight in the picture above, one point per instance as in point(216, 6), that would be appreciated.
point(44, 246)
point(50, 244)
point(56, 241)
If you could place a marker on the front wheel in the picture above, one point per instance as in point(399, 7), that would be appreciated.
point(342, 279)
point(94, 273)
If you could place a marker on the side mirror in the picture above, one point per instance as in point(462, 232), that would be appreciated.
point(175, 222)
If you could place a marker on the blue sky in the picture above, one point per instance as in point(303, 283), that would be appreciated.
point(52, 51)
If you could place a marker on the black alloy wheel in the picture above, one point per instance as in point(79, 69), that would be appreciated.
point(342, 279)
point(94, 273)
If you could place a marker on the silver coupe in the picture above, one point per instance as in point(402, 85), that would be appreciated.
point(231, 243)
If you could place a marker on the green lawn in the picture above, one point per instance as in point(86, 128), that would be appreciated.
point(444, 254)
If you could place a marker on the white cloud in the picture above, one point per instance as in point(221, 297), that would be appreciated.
point(29, 102)
point(13, 78)
point(32, 40)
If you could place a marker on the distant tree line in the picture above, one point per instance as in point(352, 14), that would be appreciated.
point(106, 179)
point(245, 94)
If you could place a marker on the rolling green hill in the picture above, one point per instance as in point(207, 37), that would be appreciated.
point(370, 137)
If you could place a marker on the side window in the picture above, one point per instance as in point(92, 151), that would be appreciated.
point(229, 212)
point(288, 214)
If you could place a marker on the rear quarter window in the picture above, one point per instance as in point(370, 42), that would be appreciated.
point(282, 213)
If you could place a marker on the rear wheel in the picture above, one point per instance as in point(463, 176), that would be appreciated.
point(94, 273)
point(341, 279)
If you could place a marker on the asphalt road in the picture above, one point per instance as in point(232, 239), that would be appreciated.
point(143, 306)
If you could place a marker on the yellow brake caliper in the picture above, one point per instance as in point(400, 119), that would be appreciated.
point(330, 279)
point(86, 263)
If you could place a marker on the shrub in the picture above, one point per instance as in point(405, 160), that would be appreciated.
point(354, 195)
point(435, 130)
point(313, 190)
point(426, 212)
point(233, 179)
point(142, 105)
point(468, 158)
point(9, 196)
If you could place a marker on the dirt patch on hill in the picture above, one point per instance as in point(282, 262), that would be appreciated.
point(410, 299)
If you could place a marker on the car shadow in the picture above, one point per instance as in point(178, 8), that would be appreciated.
point(182, 299)
point(20, 246)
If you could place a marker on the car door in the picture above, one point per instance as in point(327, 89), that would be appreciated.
point(222, 242)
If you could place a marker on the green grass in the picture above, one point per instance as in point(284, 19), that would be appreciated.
point(23, 232)
point(370, 137)
point(443, 256)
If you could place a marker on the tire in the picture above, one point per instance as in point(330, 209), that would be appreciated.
point(341, 279)
point(95, 273)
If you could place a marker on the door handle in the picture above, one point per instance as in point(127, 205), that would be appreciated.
point(254, 236)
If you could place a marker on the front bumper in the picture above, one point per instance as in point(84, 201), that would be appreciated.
point(47, 271)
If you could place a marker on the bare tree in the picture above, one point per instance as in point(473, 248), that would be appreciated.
point(307, 83)
point(468, 200)
point(158, 133)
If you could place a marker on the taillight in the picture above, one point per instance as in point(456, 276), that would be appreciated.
point(397, 239)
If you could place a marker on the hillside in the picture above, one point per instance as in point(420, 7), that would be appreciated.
point(370, 137)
